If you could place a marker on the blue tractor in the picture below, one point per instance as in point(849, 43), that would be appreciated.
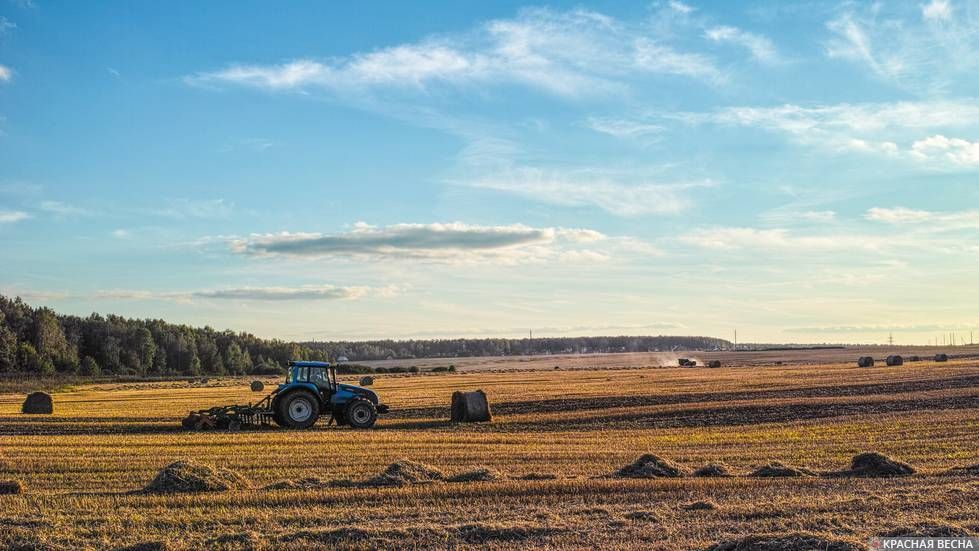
point(310, 390)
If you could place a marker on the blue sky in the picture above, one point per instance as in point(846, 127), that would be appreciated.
point(803, 172)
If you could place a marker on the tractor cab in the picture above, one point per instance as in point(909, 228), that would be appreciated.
point(320, 374)
point(312, 389)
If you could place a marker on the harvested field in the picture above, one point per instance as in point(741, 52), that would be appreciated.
point(555, 437)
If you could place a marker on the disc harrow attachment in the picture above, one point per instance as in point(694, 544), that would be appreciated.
point(232, 418)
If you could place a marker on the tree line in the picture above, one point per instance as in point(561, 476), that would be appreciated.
point(456, 348)
point(37, 340)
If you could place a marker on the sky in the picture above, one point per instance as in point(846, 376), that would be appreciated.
point(798, 171)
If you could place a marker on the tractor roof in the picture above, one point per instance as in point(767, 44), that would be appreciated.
point(309, 364)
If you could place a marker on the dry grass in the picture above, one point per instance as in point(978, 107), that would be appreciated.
point(83, 466)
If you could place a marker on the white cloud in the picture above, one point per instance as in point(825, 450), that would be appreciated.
point(897, 215)
point(303, 292)
point(571, 54)
point(61, 209)
point(623, 128)
point(776, 239)
point(5, 25)
point(955, 150)
point(194, 208)
point(922, 53)
point(887, 129)
point(933, 221)
point(680, 7)
point(788, 216)
point(5, 73)
point(846, 119)
point(761, 47)
point(590, 189)
point(11, 216)
point(937, 10)
point(452, 242)
point(310, 292)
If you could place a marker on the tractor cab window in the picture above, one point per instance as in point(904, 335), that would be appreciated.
point(298, 374)
point(320, 378)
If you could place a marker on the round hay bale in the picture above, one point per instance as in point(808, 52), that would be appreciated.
point(941, 357)
point(38, 403)
point(914, 358)
point(188, 476)
point(865, 361)
point(714, 364)
point(470, 407)
point(257, 386)
point(650, 466)
point(873, 464)
point(9, 487)
point(894, 360)
point(366, 380)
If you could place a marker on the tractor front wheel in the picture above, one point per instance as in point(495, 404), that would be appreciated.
point(361, 414)
point(299, 410)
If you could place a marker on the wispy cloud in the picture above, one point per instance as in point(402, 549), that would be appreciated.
point(62, 209)
point(922, 51)
point(11, 216)
point(928, 220)
point(569, 54)
point(451, 242)
point(6, 74)
point(937, 10)
point(303, 292)
point(761, 47)
point(195, 208)
point(886, 129)
point(788, 216)
point(6, 25)
point(624, 128)
point(680, 7)
point(321, 292)
point(778, 240)
point(591, 189)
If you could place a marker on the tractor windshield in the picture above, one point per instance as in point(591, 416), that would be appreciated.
point(320, 378)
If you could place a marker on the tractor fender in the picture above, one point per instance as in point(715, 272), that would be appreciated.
point(346, 393)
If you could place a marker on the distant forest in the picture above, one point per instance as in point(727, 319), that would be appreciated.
point(43, 342)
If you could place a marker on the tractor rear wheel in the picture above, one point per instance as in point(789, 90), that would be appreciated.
point(361, 414)
point(299, 410)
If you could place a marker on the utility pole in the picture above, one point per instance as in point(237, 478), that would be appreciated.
point(735, 339)
point(890, 339)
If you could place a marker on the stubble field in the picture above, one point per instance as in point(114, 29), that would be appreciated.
point(85, 466)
